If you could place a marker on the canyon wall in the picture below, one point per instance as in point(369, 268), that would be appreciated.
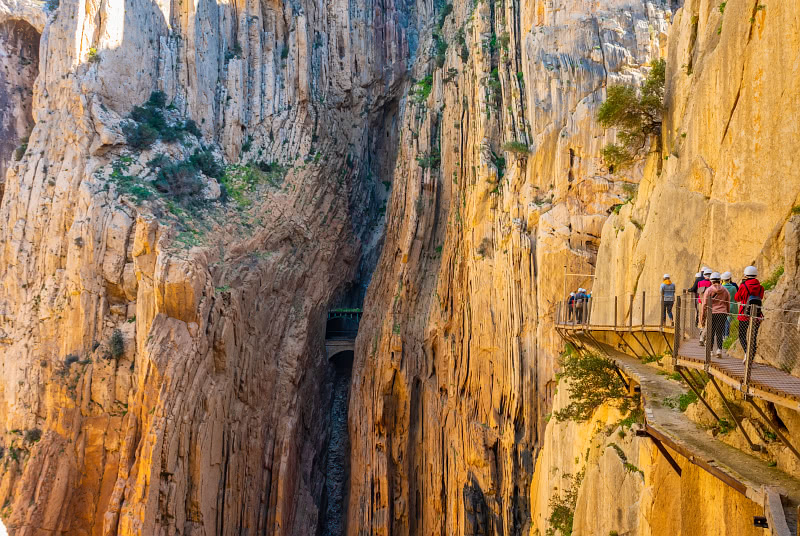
point(499, 189)
point(163, 368)
point(722, 195)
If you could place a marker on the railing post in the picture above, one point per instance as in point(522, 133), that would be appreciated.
point(643, 309)
point(749, 355)
point(630, 315)
point(662, 314)
point(709, 341)
point(615, 313)
point(677, 339)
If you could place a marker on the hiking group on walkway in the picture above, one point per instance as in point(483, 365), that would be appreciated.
point(717, 300)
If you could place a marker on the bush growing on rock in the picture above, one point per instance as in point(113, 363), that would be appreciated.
point(636, 114)
point(592, 381)
point(147, 123)
point(116, 345)
point(33, 435)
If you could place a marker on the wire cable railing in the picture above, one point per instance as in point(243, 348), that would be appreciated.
point(755, 347)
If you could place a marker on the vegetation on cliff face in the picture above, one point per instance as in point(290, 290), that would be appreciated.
point(637, 116)
point(592, 380)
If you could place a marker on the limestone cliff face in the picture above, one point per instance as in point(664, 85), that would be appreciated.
point(499, 185)
point(162, 362)
point(721, 196)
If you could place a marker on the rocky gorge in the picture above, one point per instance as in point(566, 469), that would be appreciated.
point(190, 187)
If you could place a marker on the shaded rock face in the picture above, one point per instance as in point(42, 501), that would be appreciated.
point(19, 63)
point(163, 368)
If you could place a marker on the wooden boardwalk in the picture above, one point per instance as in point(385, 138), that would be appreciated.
point(766, 382)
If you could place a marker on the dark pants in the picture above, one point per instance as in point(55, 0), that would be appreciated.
point(744, 327)
point(579, 313)
point(717, 331)
point(666, 310)
point(570, 309)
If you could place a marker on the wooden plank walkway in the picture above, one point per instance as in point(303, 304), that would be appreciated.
point(766, 382)
point(749, 475)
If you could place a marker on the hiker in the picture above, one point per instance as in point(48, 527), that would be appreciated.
point(693, 289)
point(718, 297)
point(580, 305)
point(667, 299)
point(702, 285)
point(750, 296)
point(570, 306)
point(732, 288)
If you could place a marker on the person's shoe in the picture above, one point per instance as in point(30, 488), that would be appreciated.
point(718, 353)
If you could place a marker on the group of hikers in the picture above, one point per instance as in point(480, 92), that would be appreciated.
point(718, 300)
point(577, 305)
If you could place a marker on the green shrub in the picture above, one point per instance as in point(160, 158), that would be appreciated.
point(636, 114)
point(446, 10)
point(179, 180)
point(147, 123)
point(204, 161)
point(20, 151)
point(772, 281)
point(70, 359)
point(191, 127)
point(430, 159)
point(33, 435)
point(562, 508)
point(93, 55)
point(681, 402)
point(517, 147)
point(116, 345)
point(440, 47)
point(422, 90)
point(461, 39)
point(504, 40)
point(796, 209)
point(592, 381)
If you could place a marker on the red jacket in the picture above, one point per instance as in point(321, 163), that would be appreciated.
point(749, 287)
point(701, 289)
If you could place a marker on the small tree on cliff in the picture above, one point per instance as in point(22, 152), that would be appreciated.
point(637, 115)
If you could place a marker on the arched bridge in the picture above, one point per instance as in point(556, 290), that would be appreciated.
point(341, 330)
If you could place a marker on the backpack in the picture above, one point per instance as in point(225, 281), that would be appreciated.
point(752, 304)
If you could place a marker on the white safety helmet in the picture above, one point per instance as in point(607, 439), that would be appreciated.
point(726, 276)
point(699, 274)
point(715, 276)
point(571, 293)
point(705, 269)
point(666, 276)
point(750, 271)
point(581, 290)
point(707, 272)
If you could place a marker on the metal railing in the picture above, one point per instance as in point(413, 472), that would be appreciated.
point(764, 335)
point(631, 311)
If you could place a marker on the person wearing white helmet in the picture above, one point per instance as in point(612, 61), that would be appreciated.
point(667, 299)
point(750, 297)
point(580, 304)
point(716, 302)
point(700, 282)
point(731, 287)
